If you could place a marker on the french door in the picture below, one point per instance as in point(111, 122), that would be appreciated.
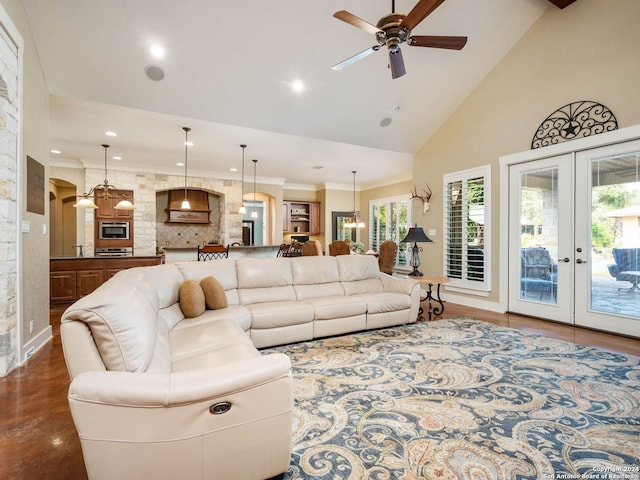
point(570, 218)
point(540, 244)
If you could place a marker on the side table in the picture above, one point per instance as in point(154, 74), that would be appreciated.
point(429, 281)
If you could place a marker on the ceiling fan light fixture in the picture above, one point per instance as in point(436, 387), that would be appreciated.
point(395, 29)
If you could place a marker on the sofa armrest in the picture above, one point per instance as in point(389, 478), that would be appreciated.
point(614, 269)
point(400, 285)
point(153, 390)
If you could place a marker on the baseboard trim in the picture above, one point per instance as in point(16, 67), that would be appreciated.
point(473, 302)
point(35, 344)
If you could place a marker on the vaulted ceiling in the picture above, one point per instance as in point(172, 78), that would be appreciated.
point(228, 71)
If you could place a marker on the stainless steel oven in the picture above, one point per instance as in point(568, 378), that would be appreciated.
point(114, 231)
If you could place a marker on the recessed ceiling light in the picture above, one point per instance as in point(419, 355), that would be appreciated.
point(117, 158)
point(188, 144)
point(156, 50)
point(57, 152)
point(233, 169)
point(180, 164)
point(111, 134)
point(297, 85)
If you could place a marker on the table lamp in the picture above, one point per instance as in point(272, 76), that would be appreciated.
point(414, 235)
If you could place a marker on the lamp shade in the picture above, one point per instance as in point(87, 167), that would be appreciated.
point(416, 234)
point(124, 205)
point(85, 202)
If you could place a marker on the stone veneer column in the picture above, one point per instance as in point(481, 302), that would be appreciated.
point(9, 129)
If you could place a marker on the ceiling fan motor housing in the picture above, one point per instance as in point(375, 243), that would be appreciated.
point(391, 33)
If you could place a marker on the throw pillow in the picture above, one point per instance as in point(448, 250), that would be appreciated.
point(191, 299)
point(214, 295)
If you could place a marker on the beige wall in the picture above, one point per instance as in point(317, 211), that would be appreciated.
point(34, 264)
point(588, 51)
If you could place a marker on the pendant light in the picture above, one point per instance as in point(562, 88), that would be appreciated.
point(185, 203)
point(354, 221)
point(254, 214)
point(243, 209)
point(106, 190)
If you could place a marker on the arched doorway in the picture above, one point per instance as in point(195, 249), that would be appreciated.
point(63, 219)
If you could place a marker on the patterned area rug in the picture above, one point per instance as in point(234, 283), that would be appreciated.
point(462, 399)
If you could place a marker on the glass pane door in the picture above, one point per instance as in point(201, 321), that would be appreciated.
point(539, 238)
point(608, 237)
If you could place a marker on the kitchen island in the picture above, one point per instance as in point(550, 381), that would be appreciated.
point(186, 254)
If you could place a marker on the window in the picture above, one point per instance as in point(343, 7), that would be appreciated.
point(390, 219)
point(467, 208)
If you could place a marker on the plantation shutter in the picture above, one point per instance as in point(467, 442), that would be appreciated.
point(465, 229)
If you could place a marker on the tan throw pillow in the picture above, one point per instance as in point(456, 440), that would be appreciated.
point(191, 299)
point(214, 295)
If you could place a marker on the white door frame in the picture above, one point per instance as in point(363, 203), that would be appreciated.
point(571, 147)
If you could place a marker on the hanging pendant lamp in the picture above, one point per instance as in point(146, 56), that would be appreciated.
point(354, 221)
point(106, 190)
point(254, 214)
point(243, 209)
point(185, 203)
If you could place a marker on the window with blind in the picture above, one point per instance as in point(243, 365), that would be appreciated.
point(467, 224)
point(390, 219)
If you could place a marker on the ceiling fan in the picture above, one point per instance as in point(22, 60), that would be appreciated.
point(395, 29)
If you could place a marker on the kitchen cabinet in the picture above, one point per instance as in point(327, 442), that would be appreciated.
point(301, 217)
point(106, 210)
point(72, 278)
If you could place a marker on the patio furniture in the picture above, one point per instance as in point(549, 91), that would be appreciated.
point(538, 273)
point(627, 266)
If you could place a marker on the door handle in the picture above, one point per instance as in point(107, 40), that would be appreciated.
point(581, 261)
point(565, 260)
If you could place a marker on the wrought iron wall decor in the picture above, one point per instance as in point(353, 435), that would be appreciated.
point(574, 120)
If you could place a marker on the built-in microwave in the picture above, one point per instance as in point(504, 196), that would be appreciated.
point(114, 231)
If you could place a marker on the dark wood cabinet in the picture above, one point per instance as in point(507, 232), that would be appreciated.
point(107, 213)
point(87, 281)
point(63, 286)
point(301, 217)
point(72, 278)
point(106, 210)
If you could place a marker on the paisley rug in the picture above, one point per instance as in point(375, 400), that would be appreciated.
point(462, 399)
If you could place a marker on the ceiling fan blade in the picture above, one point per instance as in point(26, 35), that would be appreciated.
point(351, 19)
point(396, 63)
point(355, 58)
point(451, 43)
point(419, 13)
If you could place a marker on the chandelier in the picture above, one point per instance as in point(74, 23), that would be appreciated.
point(106, 190)
point(354, 220)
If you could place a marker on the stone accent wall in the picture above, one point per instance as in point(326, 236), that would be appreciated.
point(9, 130)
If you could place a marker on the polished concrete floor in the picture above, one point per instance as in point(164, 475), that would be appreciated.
point(38, 439)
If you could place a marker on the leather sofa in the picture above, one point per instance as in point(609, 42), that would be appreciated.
point(157, 395)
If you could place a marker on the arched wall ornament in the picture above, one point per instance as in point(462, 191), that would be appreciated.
point(574, 120)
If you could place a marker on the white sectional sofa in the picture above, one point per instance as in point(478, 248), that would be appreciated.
point(157, 395)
